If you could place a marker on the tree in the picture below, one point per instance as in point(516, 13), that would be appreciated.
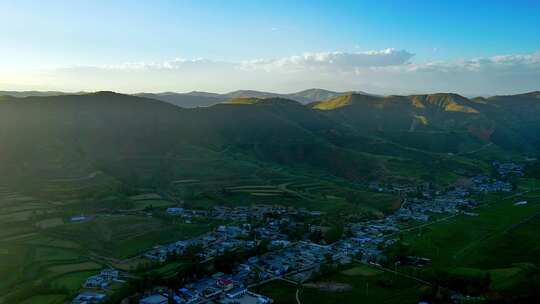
point(316, 236)
point(225, 262)
point(397, 252)
point(333, 234)
point(328, 258)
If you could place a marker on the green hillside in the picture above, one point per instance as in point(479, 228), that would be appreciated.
point(82, 142)
point(120, 156)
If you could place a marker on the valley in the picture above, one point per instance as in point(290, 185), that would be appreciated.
point(86, 185)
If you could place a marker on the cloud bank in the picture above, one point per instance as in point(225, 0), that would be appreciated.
point(331, 61)
point(388, 71)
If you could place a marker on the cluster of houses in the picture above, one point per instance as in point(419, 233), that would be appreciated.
point(508, 169)
point(484, 184)
point(95, 286)
point(233, 237)
point(240, 213)
point(80, 218)
point(218, 288)
point(186, 213)
point(215, 243)
point(294, 258)
point(419, 209)
point(396, 187)
point(89, 297)
point(103, 279)
point(370, 238)
point(298, 260)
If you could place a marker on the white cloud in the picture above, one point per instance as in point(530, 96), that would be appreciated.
point(335, 61)
point(501, 63)
point(384, 72)
point(175, 64)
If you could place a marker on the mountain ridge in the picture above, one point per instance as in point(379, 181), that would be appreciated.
point(363, 137)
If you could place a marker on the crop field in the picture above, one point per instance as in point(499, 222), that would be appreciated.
point(362, 270)
point(149, 201)
point(281, 186)
point(45, 299)
point(61, 181)
point(257, 190)
point(60, 257)
point(43, 252)
point(454, 243)
point(123, 236)
point(41, 249)
point(146, 196)
point(358, 284)
point(72, 281)
point(27, 267)
point(501, 241)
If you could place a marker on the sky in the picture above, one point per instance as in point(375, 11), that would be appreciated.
point(385, 47)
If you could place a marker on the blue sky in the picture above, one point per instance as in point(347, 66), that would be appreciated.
point(48, 37)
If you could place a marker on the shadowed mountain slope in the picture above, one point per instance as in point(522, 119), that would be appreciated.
point(355, 136)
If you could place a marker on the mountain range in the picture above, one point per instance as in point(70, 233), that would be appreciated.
point(354, 136)
point(204, 99)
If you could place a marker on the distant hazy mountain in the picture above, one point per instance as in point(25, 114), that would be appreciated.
point(204, 99)
point(35, 93)
point(304, 97)
point(186, 100)
point(313, 95)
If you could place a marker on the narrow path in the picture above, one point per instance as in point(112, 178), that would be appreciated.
point(395, 272)
point(426, 224)
point(494, 234)
point(476, 150)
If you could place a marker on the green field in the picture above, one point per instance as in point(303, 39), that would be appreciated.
point(357, 284)
point(45, 299)
point(43, 254)
point(469, 241)
point(124, 236)
point(42, 251)
point(502, 242)
point(72, 281)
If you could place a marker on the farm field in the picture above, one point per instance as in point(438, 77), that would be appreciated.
point(281, 186)
point(44, 254)
point(502, 242)
point(123, 236)
point(44, 251)
point(45, 299)
point(356, 284)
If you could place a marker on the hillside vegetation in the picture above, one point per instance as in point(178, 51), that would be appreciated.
point(84, 141)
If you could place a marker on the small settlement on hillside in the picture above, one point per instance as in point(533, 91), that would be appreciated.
point(294, 260)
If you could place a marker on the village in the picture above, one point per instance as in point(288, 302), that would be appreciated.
point(293, 259)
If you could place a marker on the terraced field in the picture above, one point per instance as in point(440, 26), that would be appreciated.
point(43, 251)
point(124, 236)
point(149, 200)
point(29, 260)
point(257, 190)
point(43, 254)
